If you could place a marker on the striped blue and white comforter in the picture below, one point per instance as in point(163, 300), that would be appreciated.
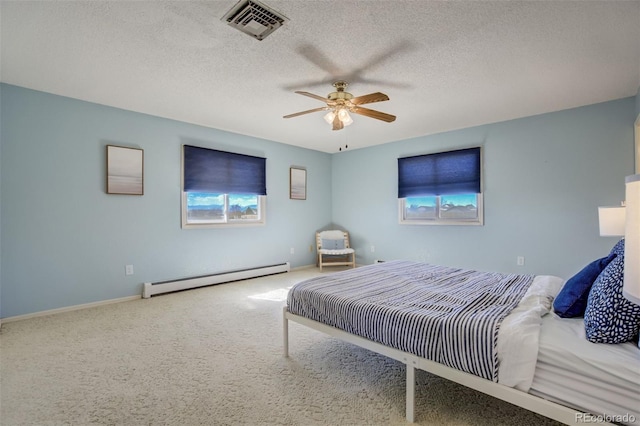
point(448, 315)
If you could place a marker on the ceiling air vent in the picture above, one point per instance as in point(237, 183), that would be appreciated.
point(254, 18)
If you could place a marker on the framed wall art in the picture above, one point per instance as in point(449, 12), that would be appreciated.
point(297, 183)
point(125, 170)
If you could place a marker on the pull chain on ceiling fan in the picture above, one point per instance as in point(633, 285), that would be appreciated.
point(341, 103)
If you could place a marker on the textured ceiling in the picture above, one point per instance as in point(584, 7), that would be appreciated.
point(445, 65)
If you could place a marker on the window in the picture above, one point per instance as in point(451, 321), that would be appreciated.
point(222, 188)
point(441, 189)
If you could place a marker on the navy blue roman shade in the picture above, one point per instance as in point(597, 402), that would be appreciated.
point(452, 172)
point(209, 170)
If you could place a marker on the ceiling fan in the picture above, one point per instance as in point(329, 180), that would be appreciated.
point(341, 103)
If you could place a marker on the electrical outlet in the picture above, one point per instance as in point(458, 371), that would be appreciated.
point(310, 248)
point(373, 249)
point(520, 261)
point(292, 250)
point(128, 270)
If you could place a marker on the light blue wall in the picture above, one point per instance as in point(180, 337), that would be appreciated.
point(544, 177)
point(66, 242)
point(1, 180)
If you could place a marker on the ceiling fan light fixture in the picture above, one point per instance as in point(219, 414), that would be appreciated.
point(341, 103)
point(329, 117)
point(344, 116)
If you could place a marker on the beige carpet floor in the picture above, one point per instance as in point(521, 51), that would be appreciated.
point(213, 356)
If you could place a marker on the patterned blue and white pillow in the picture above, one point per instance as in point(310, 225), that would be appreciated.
point(610, 317)
point(618, 248)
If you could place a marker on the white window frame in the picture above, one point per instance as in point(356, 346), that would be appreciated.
point(227, 222)
point(478, 221)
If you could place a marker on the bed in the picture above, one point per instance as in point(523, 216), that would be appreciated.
point(489, 331)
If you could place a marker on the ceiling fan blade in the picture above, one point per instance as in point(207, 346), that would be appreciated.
point(374, 114)
point(370, 98)
point(309, 83)
point(337, 123)
point(319, 59)
point(377, 82)
point(311, 95)
point(339, 71)
point(306, 112)
point(385, 56)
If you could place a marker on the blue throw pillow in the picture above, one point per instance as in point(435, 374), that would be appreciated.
point(610, 317)
point(572, 300)
point(332, 244)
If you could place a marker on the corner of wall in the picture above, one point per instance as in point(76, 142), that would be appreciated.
point(1, 86)
point(636, 128)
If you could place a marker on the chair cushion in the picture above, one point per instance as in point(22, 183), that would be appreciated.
point(329, 244)
point(572, 300)
point(336, 252)
point(609, 316)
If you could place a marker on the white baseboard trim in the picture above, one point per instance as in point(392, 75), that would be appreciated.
point(150, 289)
point(69, 308)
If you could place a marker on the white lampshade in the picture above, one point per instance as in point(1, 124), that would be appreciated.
point(631, 288)
point(612, 221)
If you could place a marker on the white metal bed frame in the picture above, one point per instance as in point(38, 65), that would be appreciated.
point(514, 396)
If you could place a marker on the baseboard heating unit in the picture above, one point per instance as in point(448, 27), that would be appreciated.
point(151, 289)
